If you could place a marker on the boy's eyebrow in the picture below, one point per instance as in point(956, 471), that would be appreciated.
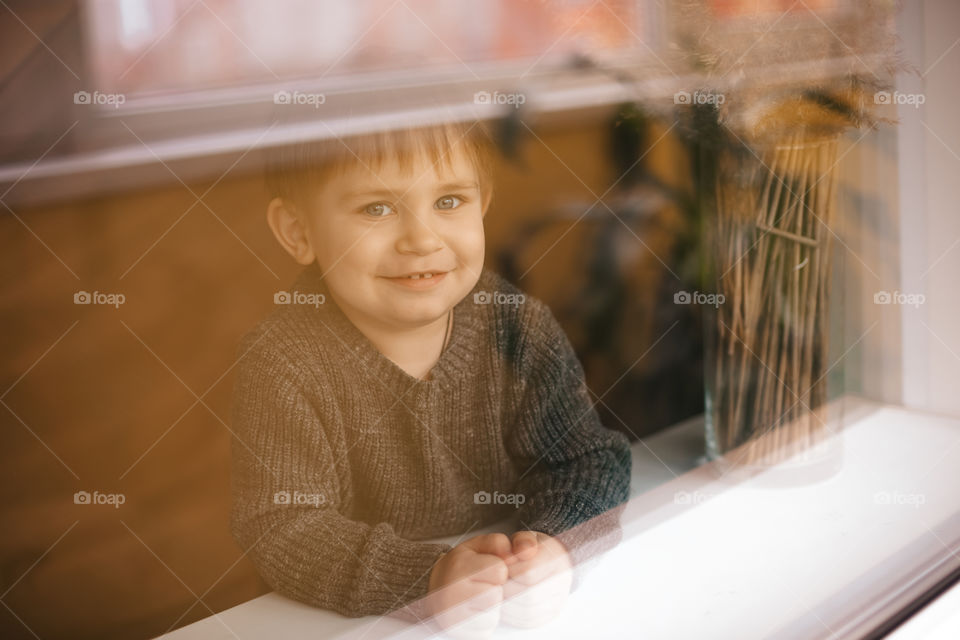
point(376, 193)
point(458, 186)
point(391, 193)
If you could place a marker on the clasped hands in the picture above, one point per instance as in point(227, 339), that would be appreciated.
point(522, 580)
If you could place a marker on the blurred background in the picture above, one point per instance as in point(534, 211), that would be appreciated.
point(131, 139)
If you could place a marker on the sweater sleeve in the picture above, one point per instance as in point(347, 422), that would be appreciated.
point(575, 473)
point(286, 510)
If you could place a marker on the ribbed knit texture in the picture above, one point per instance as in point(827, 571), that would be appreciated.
point(375, 460)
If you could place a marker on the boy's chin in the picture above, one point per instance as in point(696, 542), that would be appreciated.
point(419, 317)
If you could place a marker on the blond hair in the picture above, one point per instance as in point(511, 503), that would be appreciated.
point(295, 172)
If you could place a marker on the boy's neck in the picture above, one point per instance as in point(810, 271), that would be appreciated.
point(415, 349)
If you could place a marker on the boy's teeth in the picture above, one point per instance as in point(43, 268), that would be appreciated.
point(417, 276)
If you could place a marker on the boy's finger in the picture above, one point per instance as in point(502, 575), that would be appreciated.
point(532, 606)
point(525, 544)
point(489, 569)
point(497, 544)
point(549, 588)
point(527, 572)
point(485, 597)
point(539, 568)
point(514, 588)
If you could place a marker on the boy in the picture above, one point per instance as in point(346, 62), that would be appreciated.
point(403, 393)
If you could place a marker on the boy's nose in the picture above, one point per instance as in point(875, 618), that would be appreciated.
point(417, 236)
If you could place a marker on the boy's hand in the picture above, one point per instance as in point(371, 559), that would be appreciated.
point(539, 582)
point(466, 585)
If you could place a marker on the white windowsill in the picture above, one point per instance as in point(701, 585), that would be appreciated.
point(746, 557)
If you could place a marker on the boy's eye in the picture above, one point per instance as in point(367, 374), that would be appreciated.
point(378, 209)
point(448, 202)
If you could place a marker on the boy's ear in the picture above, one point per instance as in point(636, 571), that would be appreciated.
point(486, 196)
point(290, 231)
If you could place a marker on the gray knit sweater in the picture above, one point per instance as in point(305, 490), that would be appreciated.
point(343, 462)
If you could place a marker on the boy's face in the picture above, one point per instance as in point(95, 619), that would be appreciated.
point(371, 229)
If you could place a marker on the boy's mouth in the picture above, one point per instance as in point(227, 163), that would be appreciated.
point(418, 279)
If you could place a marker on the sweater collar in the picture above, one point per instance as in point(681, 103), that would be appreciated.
point(458, 358)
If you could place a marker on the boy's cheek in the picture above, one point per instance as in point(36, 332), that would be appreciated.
point(470, 248)
point(347, 254)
